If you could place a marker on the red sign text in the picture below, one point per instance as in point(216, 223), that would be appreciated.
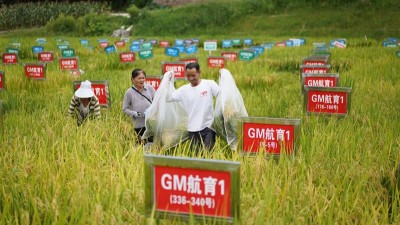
point(272, 138)
point(332, 102)
point(216, 62)
point(197, 191)
point(69, 63)
point(10, 58)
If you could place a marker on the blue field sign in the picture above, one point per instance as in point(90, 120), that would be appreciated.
point(191, 49)
point(172, 51)
point(110, 49)
point(37, 49)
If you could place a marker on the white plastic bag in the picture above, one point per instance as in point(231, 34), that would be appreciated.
point(229, 106)
point(166, 121)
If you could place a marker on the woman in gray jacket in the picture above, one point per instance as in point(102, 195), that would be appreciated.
point(136, 100)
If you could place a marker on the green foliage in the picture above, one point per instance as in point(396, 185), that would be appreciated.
point(134, 12)
point(142, 3)
point(38, 14)
point(97, 24)
point(63, 24)
point(188, 19)
point(287, 18)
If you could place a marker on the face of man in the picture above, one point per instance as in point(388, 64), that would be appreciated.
point(193, 76)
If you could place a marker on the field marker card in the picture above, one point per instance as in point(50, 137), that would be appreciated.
point(172, 51)
point(146, 54)
point(12, 50)
point(61, 47)
point(327, 100)
point(120, 44)
point(70, 63)
point(319, 80)
point(10, 58)
point(316, 60)
point(68, 52)
point(191, 49)
point(154, 81)
point(2, 81)
point(231, 56)
point(127, 57)
point(46, 57)
point(100, 89)
point(37, 49)
point(177, 67)
point(271, 135)
point(315, 68)
point(177, 187)
point(35, 70)
point(247, 55)
point(189, 60)
point(216, 62)
point(164, 44)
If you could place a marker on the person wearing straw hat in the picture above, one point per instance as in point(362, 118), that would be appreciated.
point(84, 103)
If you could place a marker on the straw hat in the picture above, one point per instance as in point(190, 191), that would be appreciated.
point(85, 90)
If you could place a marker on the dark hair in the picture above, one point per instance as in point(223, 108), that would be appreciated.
point(137, 72)
point(192, 65)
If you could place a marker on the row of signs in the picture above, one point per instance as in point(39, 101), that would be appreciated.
point(322, 94)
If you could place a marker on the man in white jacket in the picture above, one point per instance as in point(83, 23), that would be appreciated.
point(197, 98)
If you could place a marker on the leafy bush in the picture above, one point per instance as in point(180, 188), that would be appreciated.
point(63, 24)
point(134, 12)
point(95, 24)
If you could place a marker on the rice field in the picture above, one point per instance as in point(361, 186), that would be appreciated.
point(343, 170)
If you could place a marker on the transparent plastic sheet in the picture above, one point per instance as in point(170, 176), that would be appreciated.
point(166, 121)
point(229, 106)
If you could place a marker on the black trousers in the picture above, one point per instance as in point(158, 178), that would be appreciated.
point(204, 139)
point(140, 132)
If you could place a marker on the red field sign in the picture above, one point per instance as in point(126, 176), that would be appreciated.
point(181, 187)
point(100, 89)
point(2, 81)
point(10, 58)
point(35, 71)
point(319, 80)
point(185, 190)
point(153, 81)
point(177, 67)
point(216, 62)
point(120, 44)
point(164, 44)
point(231, 56)
point(69, 63)
point(103, 44)
point(189, 60)
point(314, 61)
point(315, 68)
point(127, 57)
point(327, 101)
point(272, 135)
point(45, 56)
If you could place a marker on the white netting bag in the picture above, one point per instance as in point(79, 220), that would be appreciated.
point(166, 121)
point(229, 106)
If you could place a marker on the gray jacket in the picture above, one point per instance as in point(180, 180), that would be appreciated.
point(134, 102)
